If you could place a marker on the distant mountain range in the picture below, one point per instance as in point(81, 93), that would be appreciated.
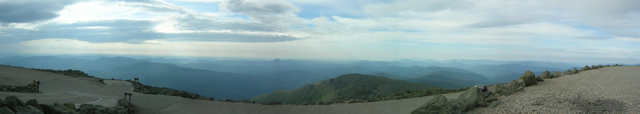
point(243, 79)
point(345, 87)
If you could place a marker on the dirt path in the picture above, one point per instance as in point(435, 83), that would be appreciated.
point(604, 90)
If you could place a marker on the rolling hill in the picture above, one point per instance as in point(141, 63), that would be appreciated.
point(451, 79)
point(345, 87)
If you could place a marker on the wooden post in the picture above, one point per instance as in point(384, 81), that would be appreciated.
point(125, 96)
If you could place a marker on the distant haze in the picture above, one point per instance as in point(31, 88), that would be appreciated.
point(601, 31)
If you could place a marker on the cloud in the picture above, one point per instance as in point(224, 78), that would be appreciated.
point(595, 37)
point(512, 20)
point(387, 9)
point(270, 12)
point(137, 31)
point(27, 11)
point(195, 22)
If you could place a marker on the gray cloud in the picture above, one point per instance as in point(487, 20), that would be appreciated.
point(265, 12)
point(203, 23)
point(26, 11)
point(513, 20)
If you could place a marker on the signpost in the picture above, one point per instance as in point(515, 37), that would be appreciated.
point(125, 96)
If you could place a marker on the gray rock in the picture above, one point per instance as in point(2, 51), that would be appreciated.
point(458, 105)
point(13, 102)
point(568, 72)
point(494, 104)
point(486, 94)
point(6, 110)
point(473, 98)
point(546, 75)
point(437, 105)
point(86, 108)
point(557, 74)
point(517, 85)
point(69, 106)
point(539, 79)
point(492, 98)
point(529, 78)
point(502, 90)
point(34, 103)
point(28, 109)
point(47, 108)
point(585, 68)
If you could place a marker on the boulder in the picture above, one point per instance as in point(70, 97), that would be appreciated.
point(517, 85)
point(568, 72)
point(34, 103)
point(594, 67)
point(529, 78)
point(575, 71)
point(539, 79)
point(48, 109)
point(557, 74)
point(458, 105)
point(28, 109)
point(473, 98)
point(69, 105)
point(493, 104)
point(6, 110)
point(585, 68)
point(13, 102)
point(437, 105)
point(492, 98)
point(502, 90)
point(87, 109)
point(486, 94)
point(546, 75)
point(65, 108)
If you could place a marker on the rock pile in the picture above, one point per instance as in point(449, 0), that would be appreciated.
point(31, 88)
point(546, 75)
point(472, 98)
point(585, 68)
point(139, 87)
point(13, 105)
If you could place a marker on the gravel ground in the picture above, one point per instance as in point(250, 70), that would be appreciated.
point(402, 106)
point(600, 91)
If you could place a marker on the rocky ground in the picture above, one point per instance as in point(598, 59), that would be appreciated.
point(605, 90)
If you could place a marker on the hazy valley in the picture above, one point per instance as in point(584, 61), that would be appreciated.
point(244, 79)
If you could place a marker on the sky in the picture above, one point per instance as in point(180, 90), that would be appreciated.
point(542, 30)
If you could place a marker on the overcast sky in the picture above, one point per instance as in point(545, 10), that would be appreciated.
point(543, 30)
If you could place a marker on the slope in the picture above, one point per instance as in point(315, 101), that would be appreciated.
point(345, 87)
point(451, 79)
point(220, 85)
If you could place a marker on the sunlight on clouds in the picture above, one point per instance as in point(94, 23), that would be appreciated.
point(91, 11)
